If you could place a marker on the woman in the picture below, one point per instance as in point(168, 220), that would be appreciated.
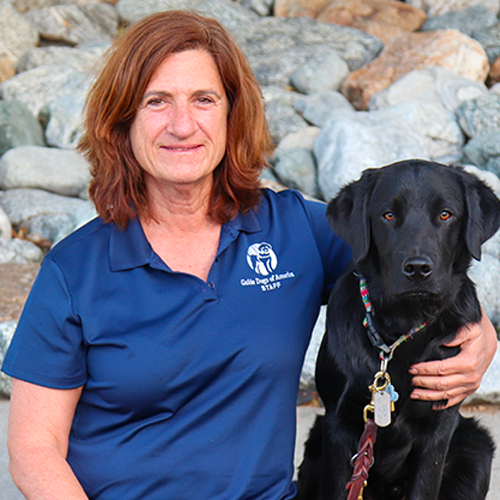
point(159, 353)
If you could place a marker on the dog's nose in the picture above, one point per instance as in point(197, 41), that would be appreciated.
point(417, 268)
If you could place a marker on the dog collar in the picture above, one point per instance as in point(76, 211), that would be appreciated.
point(386, 352)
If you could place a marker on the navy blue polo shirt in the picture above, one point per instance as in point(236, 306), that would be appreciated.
point(189, 386)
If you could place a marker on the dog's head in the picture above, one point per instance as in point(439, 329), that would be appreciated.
point(414, 225)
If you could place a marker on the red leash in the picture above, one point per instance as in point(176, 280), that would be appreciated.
point(363, 460)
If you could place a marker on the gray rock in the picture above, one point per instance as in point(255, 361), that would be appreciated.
point(261, 7)
point(486, 275)
point(40, 86)
point(27, 5)
point(465, 20)
point(82, 58)
point(489, 38)
point(434, 85)
point(442, 136)
point(351, 142)
point(18, 126)
point(482, 149)
point(309, 367)
point(60, 171)
point(296, 168)
point(479, 115)
point(318, 108)
point(235, 17)
point(276, 47)
point(74, 24)
point(303, 138)
point(48, 215)
point(324, 71)
point(18, 251)
point(7, 329)
point(133, 10)
point(65, 118)
point(17, 35)
point(5, 226)
point(281, 116)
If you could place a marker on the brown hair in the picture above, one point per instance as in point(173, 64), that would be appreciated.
point(117, 187)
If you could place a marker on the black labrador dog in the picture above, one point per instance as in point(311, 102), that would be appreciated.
point(413, 227)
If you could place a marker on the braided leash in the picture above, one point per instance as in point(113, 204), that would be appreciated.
point(363, 460)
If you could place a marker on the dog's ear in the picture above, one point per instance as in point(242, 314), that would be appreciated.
point(348, 217)
point(483, 213)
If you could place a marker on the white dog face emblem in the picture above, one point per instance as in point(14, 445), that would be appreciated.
point(261, 258)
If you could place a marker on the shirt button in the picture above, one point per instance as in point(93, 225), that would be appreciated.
point(211, 284)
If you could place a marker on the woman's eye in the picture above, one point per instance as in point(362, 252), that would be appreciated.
point(445, 215)
point(389, 216)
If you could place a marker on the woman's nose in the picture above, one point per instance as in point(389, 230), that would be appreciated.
point(182, 122)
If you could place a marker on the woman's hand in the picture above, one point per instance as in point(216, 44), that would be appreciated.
point(453, 379)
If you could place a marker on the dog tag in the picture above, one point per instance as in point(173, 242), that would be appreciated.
point(382, 408)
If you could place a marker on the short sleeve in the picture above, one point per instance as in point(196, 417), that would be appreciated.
point(335, 253)
point(47, 348)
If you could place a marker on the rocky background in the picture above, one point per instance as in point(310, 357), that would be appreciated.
point(348, 84)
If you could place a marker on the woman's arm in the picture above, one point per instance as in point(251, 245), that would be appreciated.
point(39, 424)
point(455, 378)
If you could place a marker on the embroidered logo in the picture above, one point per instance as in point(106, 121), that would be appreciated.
point(261, 258)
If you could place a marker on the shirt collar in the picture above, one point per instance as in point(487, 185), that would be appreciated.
point(129, 247)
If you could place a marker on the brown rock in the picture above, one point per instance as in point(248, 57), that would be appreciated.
point(15, 283)
point(494, 76)
point(299, 8)
point(448, 49)
point(7, 68)
point(383, 18)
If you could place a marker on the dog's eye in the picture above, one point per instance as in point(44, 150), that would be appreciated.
point(389, 216)
point(445, 215)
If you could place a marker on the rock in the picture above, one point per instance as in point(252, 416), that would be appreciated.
point(489, 391)
point(442, 137)
point(318, 108)
point(40, 86)
point(308, 370)
point(494, 75)
point(19, 251)
point(384, 19)
point(483, 150)
point(408, 52)
point(324, 71)
point(233, 16)
point(486, 275)
point(65, 118)
point(296, 168)
point(27, 5)
point(5, 226)
point(7, 329)
point(131, 11)
point(434, 85)
point(261, 7)
point(303, 138)
point(276, 47)
point(351, 142)
point(60, 171)
point(82, 57)
point(7, 67)
point(489, 38)
point(48, 215)
point(18, 126)
point(281, 116)
point(465, 20)
point(481, 114)
point(74, 24)
point(436, 7)
point(17, 35)
point(299, 8)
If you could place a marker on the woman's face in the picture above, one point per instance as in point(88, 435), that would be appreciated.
point(178, 135)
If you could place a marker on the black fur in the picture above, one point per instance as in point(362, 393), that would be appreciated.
point(413, 227)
